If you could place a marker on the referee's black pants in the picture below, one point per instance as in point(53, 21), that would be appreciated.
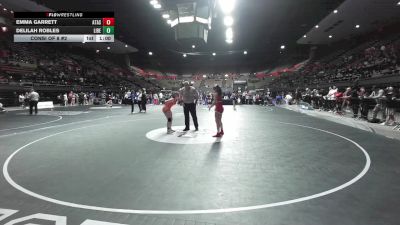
point(190, 107)
point(33, 104)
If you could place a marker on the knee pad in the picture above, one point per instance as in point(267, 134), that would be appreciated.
point(169, 119)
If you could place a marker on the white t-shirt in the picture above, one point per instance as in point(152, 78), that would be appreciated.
point(332, 94)
point(21, 98)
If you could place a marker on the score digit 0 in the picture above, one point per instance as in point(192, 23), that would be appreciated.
point(108, 21)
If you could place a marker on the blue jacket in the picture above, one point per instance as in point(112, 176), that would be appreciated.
point(133, 96)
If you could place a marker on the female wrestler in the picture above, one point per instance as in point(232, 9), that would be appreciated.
point(167, 111)
point(219, 109)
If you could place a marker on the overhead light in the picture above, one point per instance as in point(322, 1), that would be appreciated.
point(165, 16)
point(316, 26)
point(169, 21)
point(184, 55)
point(304, 36)
point(153, 2)
point(357, 26)
point(330, 36)
point(245, 52)
point(335, 11)
point(398, 4)
point(126, 46)
point(4, 29)
point(150, 53)
point(5, 9)
point(227, 6)
point(229, 41)
point(108, 47)
point(214, 54)
point(193, 46)
point(11, 11)
point(228, 21)
point(229, 33)
point(97, 51)
point(204, 76)
point(157, 6)
point(226, 75)
point(283, 47)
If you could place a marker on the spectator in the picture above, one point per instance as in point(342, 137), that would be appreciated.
point(21, 100)
point(65, 99)
point(391, 105)
point(380, 105)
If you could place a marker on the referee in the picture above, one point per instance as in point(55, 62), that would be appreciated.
point(33, 101)
point(189, 97)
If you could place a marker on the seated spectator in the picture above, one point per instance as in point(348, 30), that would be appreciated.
point(289, 98)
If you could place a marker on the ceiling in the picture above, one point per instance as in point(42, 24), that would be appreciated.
point(368, 14)
point(261, 27)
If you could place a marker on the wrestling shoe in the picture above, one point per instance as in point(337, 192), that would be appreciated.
point(186, 129)
point(218, 135)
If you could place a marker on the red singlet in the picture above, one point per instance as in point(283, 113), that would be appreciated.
point(218, 104)
point(168, 105)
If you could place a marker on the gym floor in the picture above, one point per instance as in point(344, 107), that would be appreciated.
point(273, 166)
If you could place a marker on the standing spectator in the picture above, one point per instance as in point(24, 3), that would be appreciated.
point(26, 99)
point(362, 94)
point(161, 97)
point(71, 98)
point(150, 98)
point(155, 99)
point(133, 98)
point(85, 99)
point(355, 101)
point(33, 101)
point(81, 98)
point(331, 98)
point(76, 99)
point(234, 98)
point(307, 96)
point(91, 98)
point(248, 98)
point(391, 107)
point(144, 101)
point(21, 100)
point(65, 99)
point(379, 97)
point(346, 99)
point(338, 102)
point(139, 99)
point(189, 96)
point(297, 96)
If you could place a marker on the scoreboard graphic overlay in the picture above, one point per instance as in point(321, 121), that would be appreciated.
point(64, 27)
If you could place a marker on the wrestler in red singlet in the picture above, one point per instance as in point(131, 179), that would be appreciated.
point(218, 104)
